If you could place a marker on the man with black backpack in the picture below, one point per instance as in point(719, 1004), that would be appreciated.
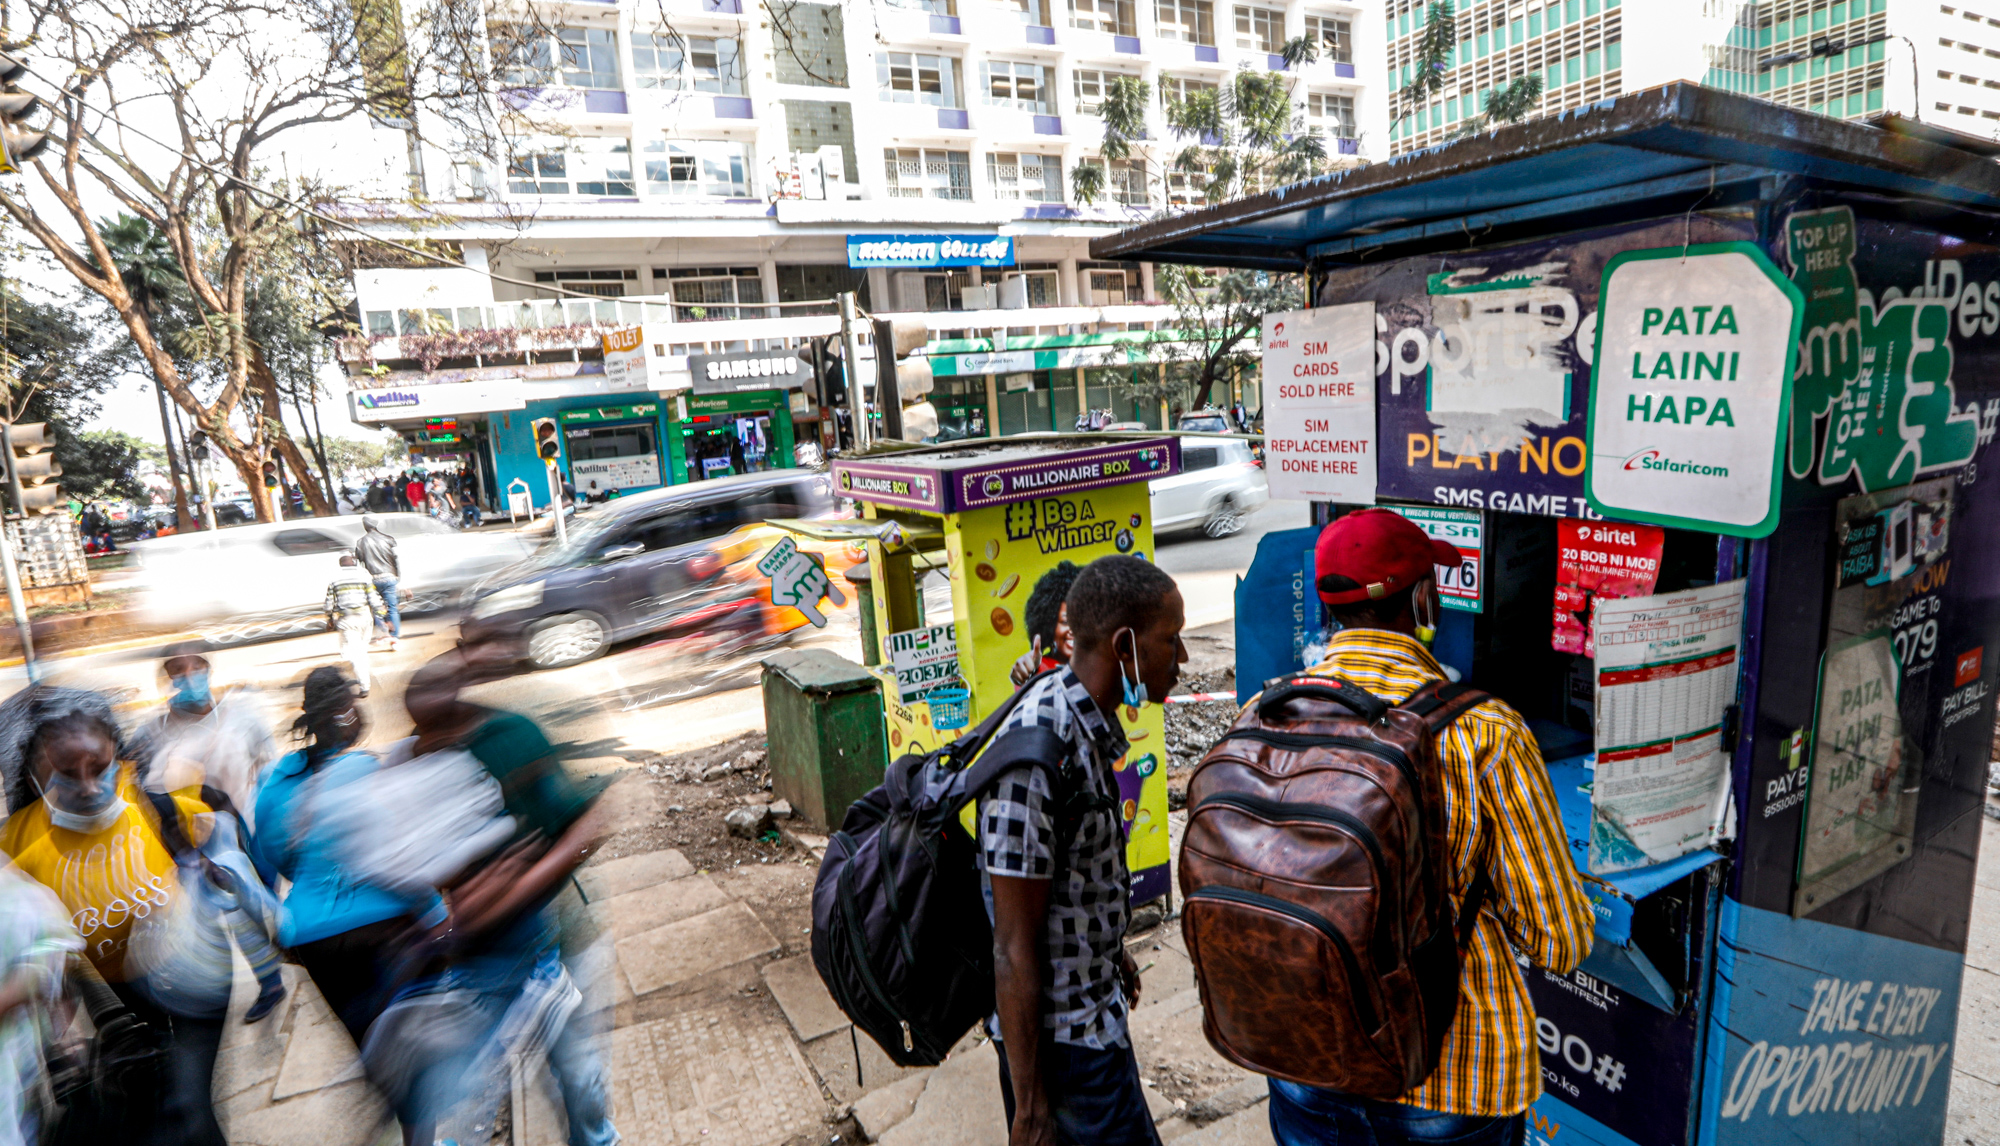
point(1052, 859)
point(1375, 575)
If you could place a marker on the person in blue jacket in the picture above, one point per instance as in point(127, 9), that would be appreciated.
point(343, 931)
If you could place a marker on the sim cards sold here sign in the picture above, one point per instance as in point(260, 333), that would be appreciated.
point(1319, 403)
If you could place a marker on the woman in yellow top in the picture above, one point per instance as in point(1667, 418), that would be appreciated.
point(82, 827)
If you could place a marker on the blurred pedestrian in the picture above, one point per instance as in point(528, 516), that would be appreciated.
point(377, 552)
point(342, 928)
point(352, 609)
point(83, 828)
point(502, 936)
point(36, 941)
point(413, 491)
point(204, 737)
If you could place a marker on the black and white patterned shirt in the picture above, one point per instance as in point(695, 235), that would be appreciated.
point(1083, 1003)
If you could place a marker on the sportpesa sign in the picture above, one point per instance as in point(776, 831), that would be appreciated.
point(930, 251)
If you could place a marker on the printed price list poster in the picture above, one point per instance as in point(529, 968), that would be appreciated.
point(1666, 673)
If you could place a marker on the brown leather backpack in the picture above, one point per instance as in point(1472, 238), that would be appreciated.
point(1317, 909)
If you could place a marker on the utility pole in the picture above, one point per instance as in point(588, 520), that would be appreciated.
point(857, 401)
point(15, 601)
point(556, 506)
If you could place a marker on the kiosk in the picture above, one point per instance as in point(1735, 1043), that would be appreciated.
point(1704, 389)
point(988, 521)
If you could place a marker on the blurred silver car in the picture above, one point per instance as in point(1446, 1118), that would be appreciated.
point(248, 582)
point(1220, 482)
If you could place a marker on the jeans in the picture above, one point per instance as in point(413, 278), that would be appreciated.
point(1308, 1116)
point(387, 587)
point(185, 1115)
point(1094, 1095)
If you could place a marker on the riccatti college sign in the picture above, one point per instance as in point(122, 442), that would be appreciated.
point(930, 251)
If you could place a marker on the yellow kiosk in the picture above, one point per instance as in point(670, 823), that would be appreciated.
point(995, 517)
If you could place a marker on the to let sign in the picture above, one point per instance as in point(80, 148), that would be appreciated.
point(1319, 403)
point(1688, 407)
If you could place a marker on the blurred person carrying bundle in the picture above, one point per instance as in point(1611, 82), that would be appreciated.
point(377, 553)
point(352, 607)
point(476, 804)
point(147, 916)
point(36, 942)
point(217, 748)
point(341, 927)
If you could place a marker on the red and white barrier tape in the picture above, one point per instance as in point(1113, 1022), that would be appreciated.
point(1199, 697)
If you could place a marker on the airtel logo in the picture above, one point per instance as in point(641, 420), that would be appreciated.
point(1639, 459)
point(1278, 328)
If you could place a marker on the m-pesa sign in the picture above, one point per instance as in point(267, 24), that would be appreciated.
point(1319, 403)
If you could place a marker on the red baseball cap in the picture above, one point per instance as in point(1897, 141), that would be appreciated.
point(1381, 549)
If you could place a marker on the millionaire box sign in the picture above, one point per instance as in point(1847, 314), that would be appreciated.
point(980, 479)
point(1319, 403)
point(1689, 407)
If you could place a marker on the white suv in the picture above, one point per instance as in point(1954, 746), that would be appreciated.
point(1220, 481)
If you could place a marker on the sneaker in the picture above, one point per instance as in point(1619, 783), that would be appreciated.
point(267, 1001)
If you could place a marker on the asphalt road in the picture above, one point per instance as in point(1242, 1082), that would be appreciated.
point(639, 700)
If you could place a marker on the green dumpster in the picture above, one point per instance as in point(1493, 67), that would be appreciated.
point(827, 736)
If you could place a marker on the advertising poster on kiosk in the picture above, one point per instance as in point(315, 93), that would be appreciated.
point(1319, 404)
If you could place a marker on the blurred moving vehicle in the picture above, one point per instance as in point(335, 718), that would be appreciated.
point(1219, 483)
point(250, 582)
point(679, 560)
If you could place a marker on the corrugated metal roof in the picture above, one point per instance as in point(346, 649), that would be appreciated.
point(1665, 140)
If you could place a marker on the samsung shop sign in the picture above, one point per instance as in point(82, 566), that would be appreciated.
point(754, 370)
point(911, 251)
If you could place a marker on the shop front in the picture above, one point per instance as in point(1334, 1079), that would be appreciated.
point(612, 450)
point(741, 415)
point(1701, 388)
point(1072, 383)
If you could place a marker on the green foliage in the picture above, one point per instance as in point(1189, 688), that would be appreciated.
point(1124, 115)
point(1434, 58)
point(1218, 316)
point(1245, 136)
point(99, 464)
point(1512, 103)
point(55, 368)
point(353, 455)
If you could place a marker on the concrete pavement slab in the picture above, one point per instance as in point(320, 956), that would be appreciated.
point(711, 1076)
point(318, 1055)
point(1165, 971)
point(617, 877)
point(637, 911)
point(350, 1114)
point(960, 1105)
point(695, 946)
point(833, 1058)
point(795, 983)
point(1173, 1052)
point(878, 1110)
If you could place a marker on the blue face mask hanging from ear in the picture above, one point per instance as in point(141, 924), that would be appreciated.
point(1133, 685)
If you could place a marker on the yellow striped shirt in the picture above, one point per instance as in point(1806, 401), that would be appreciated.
point(1497, 798)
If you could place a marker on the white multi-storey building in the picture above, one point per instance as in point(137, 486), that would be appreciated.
point(710, 168)
point(1844, 58)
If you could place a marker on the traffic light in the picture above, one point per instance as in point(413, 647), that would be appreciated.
point(198, 445)
point(271, 475)
point(32, 468)
point(548, 440)
point(17, 143)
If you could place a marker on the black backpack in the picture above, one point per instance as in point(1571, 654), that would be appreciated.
point(900, 934)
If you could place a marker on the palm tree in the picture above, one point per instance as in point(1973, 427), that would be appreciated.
point(150, 273)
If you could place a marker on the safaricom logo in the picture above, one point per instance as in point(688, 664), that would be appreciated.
point(1652, 459)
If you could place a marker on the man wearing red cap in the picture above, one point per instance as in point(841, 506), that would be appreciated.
point(1376, 577)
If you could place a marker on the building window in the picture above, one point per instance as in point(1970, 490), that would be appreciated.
point(1113, 17)
point(667, 62)
point(1034, 13)
point(1260, 29)
point(604, 284)
point(1334, 35)
point(697, 168)
point(1091, 86)
point(702, 294)
point(811, 45)
point(1125, 182)
point(1033, 177)
point(928, 173)
point(584, 165)
point(1040, 282)
point(1190, 21)
point(1330, 114)
point(1110, 284)
point(1021, 86)
point(914, 77)
point(1187, 188)
point(1175, 89)
point(569, 57)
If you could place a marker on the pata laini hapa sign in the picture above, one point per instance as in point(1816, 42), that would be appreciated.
point(1688, 410)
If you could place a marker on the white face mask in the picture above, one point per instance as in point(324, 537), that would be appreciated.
point(101, 815)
